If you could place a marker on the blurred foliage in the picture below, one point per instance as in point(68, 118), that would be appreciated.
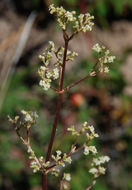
point(19, 96)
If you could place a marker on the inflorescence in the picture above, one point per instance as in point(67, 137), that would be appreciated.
point(60, 159)
point(104, 58)
point(83, 22)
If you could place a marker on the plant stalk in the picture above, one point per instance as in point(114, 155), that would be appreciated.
point(59, 103)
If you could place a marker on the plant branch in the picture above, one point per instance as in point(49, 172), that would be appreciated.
point(93, 183)
point(59, 100)
point(70, 38)
point(55, 89)
point(92, 73)
point(27, 144)
point(54, 128)
point(70, 153)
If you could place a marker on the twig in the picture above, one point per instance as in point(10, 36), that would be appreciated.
point(92, 73)
point(93, 183)
point(27, 144)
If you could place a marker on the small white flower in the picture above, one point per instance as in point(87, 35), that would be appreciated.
point(48, 74)
point(106, 158)
point(85, 123)
point(41, 158)
point(23, 112)
point(35, 115)
point(52, 9)
point(56, 73)
point(96, 161)
point(46, 164)
point(41, 57)
point(89, 137)
point(29, 150)
point(97, 48)
point(86, 150)
point(101, 170)
point(106, 69)
point(93, 171)
point(96, 135)
point(70, 16)
point(43, 68)
point(58, 152)
point(67, 176)
point(45, 83)
point(68, 159)
point(93, 149)
point(74, 54)
point(33, 163)
point(91, 128)
point(73, 149)
point(28, 117)
point(111, 59)
point(55, 172)
point(101, 160)
point(52, 45)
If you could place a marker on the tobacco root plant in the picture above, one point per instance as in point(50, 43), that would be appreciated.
point(49, 72)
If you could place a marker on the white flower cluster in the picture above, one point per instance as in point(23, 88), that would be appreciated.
point(71, 55)
point(47, 55)
point(55, 172)
point(81, 23)
point(104, 57)
point(97, 48)
point(101, 160)
point(98, 167)
point(59, 55)
point(89, 132)
point(60, 158)
point(73, 131)
point(84, 23)
point(88, 149)
point(37, 164)
point(15, 120)
point(46, 74)
point(63, 17)
point(29, 117)
point(86, 129)
point(34, 164)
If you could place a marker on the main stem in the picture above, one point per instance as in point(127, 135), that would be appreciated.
point(59, 103)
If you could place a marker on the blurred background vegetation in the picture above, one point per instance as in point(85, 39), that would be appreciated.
point(105, 101)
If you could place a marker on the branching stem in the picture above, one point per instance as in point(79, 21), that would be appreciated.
point(59, 103)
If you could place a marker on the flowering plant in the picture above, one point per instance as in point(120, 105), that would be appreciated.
point(53, 162)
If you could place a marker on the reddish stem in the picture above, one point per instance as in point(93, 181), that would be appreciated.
point(44, 182)
point(54, 128)
point(53, 88)
point(78, 82)
point(57, 109)
point(93, 183)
